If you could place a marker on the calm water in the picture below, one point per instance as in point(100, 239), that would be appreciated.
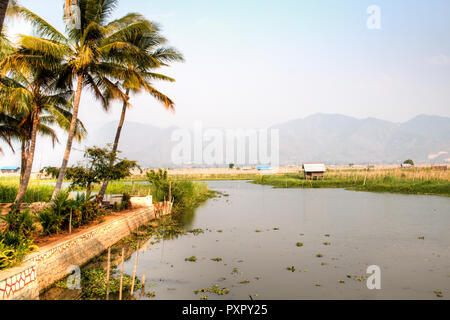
point(364, 229)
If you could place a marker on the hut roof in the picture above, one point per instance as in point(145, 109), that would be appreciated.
point(314, 167)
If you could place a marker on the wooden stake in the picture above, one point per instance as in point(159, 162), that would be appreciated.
point(107, 273)
point(70, 221)
point(134, 269)
point(143, 284)
point(121, 275)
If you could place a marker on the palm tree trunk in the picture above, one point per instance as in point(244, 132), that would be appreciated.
point(3, 7)
point(73, 123)
point(115, 145)
point(23, 161)
point(29, 164)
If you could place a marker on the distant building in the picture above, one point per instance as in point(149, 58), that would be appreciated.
point(9, 169)
point(314, 170)
point(406, 165)
point(263, 168)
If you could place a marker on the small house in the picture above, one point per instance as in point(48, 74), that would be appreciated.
point(314, 170)
point(9, 169)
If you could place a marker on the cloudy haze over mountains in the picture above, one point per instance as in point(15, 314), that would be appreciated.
point(329, 138)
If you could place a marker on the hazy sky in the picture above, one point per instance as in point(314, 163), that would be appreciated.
point(255, 63)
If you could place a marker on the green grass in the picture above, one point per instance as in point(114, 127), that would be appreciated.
point(359, 182)
point(38, 191)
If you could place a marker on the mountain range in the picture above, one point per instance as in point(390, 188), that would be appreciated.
point(329, 138)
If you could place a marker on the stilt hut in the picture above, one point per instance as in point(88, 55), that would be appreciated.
point(314, 170)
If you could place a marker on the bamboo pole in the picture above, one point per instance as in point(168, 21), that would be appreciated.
point(70, 221)
point(134, 269)
point(121, 275)
point(143, 284)
point(107, 273)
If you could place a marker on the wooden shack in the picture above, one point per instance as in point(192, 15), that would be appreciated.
point(314, 170)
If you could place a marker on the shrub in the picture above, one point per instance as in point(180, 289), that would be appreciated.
point(125, 204)
point(50, 221)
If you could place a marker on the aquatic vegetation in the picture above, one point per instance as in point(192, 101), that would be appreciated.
point(327, 235)
point(438, 293)
point(341, 281)
point(93, 283)
point(299, 244)
point(220, 231)
point(196, 232)
point(235, 271)
point(323, 263)
point(244, 282)
point(151, 294)
point(191, 259)
point(214, 289)
point(318, 285)
point(258, 231)
point(421, 238)
point(319, 255)
point(276, 229)
point(291, 268)
point(415, 181)
point(326, 243)
point(204, 297)
point(216, 259)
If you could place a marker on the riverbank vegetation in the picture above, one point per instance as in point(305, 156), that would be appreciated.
point(406, 181)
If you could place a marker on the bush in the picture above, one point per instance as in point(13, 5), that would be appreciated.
point(125, 204)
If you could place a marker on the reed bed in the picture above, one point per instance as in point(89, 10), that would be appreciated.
point(408, 181)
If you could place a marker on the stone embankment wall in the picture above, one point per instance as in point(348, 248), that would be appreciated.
point(51, 263)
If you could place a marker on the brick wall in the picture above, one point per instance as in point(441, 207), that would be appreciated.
point(51, 263)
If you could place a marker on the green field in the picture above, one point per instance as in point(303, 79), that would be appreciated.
point(389, 181)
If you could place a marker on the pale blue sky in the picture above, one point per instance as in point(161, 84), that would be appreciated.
point(255, 63)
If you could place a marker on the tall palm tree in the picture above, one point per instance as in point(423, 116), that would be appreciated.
point(28, 95)
point(140, 74)
point(90, 53)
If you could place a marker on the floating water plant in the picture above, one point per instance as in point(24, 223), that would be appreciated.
point(326, 243)
point(276, 229)
point(291, 268)
point(191, 259)
point(196, 231)
point(214, 289)
point(327, 235)
point(204, 297)
point(319, 255)
point(438, 293)
point(421, 238)
point(258, 231)
point(220, 231)
point(299, 244)
point(150, 294)
point(216, 259)
point(341, 281)
point(235, 270)
point(244, 282)
point(323, 264)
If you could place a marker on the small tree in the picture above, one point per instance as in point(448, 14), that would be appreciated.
point(96, 168)
point(231, 165)
point(409, 161)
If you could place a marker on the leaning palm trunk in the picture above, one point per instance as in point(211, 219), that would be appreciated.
point(3, 7)
point(73, 123)
point(29, 164)
point(116, 145)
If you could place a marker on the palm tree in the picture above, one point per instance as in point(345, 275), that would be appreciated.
point(28, 97)
point(93, 54)
point(149, 42)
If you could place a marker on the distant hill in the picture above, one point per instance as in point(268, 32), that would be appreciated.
point(329, 138)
